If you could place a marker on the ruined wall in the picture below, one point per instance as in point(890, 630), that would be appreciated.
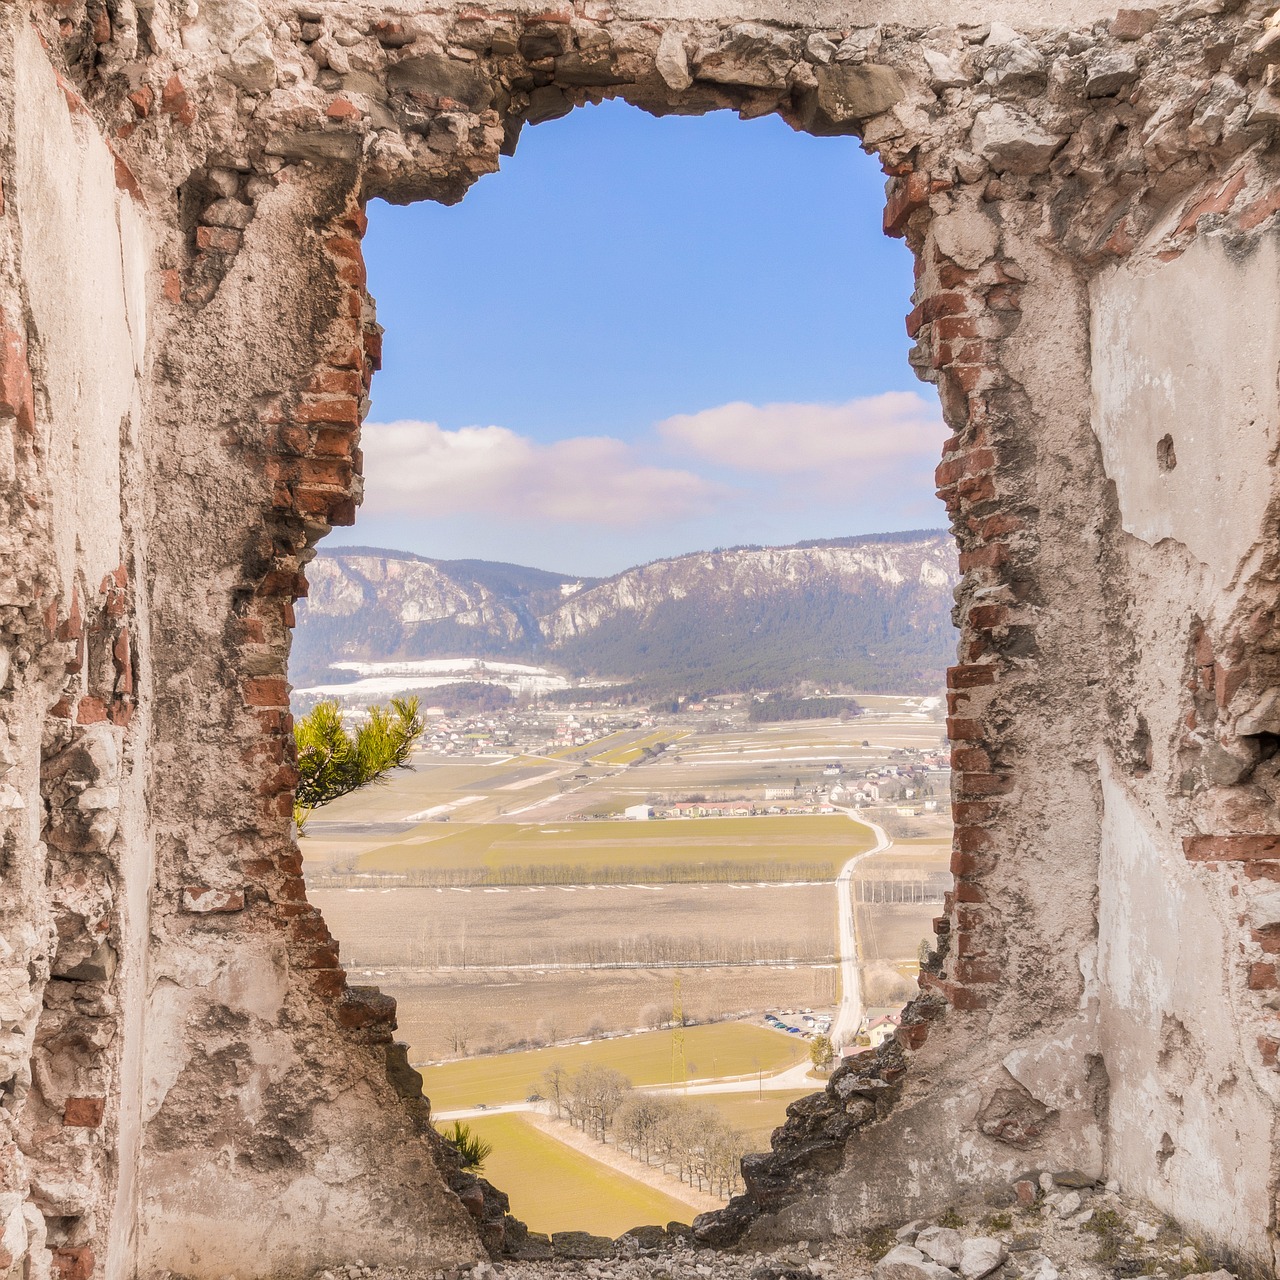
point(188, 1083)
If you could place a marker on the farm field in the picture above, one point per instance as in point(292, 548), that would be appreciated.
point(555, 1188)
point(720, 1049)
point(498, 1008)
point(891, 932)
point(811, 846)
point(573, 924)
point(755, 1114)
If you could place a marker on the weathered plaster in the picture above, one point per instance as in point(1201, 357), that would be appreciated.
point(1189, 350)
point(185, 354)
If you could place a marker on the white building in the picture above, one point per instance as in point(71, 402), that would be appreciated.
point(638, 812)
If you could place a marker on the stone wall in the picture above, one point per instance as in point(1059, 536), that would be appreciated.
point(187, 1083)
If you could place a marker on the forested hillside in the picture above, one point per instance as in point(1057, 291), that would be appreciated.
point(870, 613)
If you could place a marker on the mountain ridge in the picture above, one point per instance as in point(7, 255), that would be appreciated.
point(866, 610)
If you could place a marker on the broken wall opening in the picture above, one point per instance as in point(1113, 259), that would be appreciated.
point(807, 293)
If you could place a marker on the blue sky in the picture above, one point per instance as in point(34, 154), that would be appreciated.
point(644, 337)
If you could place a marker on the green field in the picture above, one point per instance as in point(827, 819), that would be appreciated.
point(634, 750)
point(818, 843)
point(717, 1049)
point(555, 1188)
point(753, 1113)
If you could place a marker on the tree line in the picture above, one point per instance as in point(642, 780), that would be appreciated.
point(689, 1137)
point(734, 872)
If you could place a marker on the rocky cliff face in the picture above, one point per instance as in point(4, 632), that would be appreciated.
point(873, 611)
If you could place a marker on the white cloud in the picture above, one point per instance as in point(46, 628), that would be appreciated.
point(889, 432)
point(420, 469)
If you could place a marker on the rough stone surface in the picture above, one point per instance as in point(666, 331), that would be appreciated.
point(186, 346)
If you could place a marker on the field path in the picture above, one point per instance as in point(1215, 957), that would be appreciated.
point(849, 1017)
point(780, 1082)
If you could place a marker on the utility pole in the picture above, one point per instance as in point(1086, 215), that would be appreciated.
point(677, 1033)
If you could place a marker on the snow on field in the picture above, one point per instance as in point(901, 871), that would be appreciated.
point(383, 678)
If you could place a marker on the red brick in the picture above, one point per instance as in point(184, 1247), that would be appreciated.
point(345, 247)
point(970, 864)
point(174, 100)
point(966, 1001)
point(347, 358)
point(1227, 682)
point(1218, 201)
point(988, 615)
point(983, 784)
point(906, 195)
point(322, 471)
point(1262, 977)
point(341, 109)
point(171, 285)
point(266, 691)
point(992, 556)
point(328, 982)
point(73, 1264)
point(955, 466)
point(968, 677)
point(1268, 938)
point(343, 512)
point(968, 943)
point(121, 712)
point(91, 710)
point(218, 239)
point(949, 328)
point(970, 759)
point(337, 382)
point(283, 582)
point(1004, 297)
point(981, 971)
point(1268, 1048)
point(998, 525)
point(142, 100)
point(912, 1035)
point(962, 730)
point(945, 303)
point(1230, 848)
point(352, 273)
point(345, 410)
point(951, 276)
point(83, 1113)
point(332, 443)
point(321, 957)
point(975, 489)
point(199, 899)
point(966, 892)
point(1260, 210)
point(971, 839)
point(310, 928)
point(17, 396)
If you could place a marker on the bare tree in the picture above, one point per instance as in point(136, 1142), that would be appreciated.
point(458, 1030)
point(555, 1085)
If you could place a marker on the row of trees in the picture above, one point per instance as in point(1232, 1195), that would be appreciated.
point(690, 1137)
point(736, 872)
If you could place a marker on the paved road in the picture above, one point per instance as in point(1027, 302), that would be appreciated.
point(790, 1079)
point(849, 1017)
